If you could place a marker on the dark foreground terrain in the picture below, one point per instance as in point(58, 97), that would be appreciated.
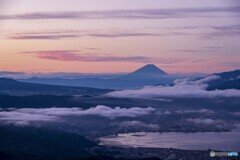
point(23, 143)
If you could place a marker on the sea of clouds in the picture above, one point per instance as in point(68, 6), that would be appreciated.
point(25, 116)
point(181, 88)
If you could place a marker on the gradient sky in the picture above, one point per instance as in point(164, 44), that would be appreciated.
point(103, 36)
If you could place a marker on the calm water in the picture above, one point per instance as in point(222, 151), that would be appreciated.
point(227, 141)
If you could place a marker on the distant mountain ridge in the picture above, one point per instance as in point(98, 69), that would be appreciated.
point(13, 87)
point(146, 75)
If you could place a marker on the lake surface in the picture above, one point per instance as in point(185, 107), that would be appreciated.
point(225, 141)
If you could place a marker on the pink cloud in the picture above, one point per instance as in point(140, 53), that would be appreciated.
point(75, 55)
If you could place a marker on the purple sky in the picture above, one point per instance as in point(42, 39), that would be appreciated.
point(101, 36)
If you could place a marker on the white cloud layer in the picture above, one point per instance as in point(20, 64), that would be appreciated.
point(26, 115)
point(181, 88)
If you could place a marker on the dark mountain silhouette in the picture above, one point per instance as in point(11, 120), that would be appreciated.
point(10, 86)
point(42, 143)
point(149, 74)
point(150, 70)
point(226, 80)
point(230, 74)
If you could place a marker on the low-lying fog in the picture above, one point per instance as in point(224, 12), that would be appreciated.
point(103, 120)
